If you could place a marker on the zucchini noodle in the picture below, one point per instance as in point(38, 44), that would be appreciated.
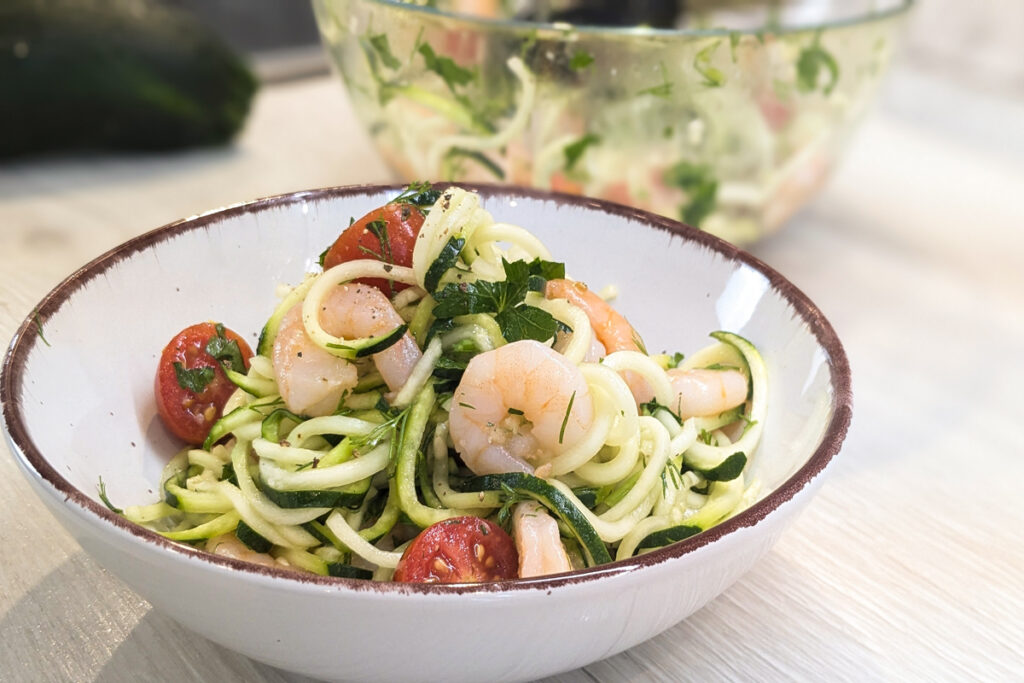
point(502, 400)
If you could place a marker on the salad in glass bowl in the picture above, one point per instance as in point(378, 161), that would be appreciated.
point(726, 115)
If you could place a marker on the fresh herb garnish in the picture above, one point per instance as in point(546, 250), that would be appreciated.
point(453, 155)
point(39, 327)
point(418, 194)
point(574, 150)
point(713, 77)
point(504, 299)
point(565, 420)
point(734, 42)
point(812, 60)
point(510, 498)
point(102, 489)
point(392, 428)
point(663, 89)
point(380, 44)
point(580, 60)
point(701, 189)
point(225, 351)
point(451, 73)
point(379, 229)
point(194, 380)
point(675, 359)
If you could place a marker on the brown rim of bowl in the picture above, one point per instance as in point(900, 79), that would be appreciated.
point(28, 335)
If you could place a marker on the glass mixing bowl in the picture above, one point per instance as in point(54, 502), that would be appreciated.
point(725, 114)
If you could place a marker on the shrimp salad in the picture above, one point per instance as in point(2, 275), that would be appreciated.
point(443, 404)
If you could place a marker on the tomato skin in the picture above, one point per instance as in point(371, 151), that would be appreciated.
point(459, 550)
point(185, 413)
point(358, 242)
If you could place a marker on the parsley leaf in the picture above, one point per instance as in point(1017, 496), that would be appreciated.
point(675, 359)
point(194, 380)
point(713, 77)
point(418, 194)
point(574, 150)
point(504, 299)
point(526, 322)
point(701, 189)
point(734, 41)
point(446, 68)
point(580, 60)
point(456, 153)
point(809, 65)
point(663, 89)
point(39, 327)
point(380, 44)
point(225, 351)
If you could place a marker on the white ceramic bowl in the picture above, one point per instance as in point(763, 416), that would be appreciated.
point(77, 405)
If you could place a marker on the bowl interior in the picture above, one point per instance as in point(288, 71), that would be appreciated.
point(78, 386)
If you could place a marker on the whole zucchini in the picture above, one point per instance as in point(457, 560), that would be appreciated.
point(114, 74)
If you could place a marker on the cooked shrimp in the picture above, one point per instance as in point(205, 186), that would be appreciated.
point(311, 380)
point(610, 327)
point(538, 542)
point(517, 407)
point(355, 310)
point(228, 545)
point(701, 392)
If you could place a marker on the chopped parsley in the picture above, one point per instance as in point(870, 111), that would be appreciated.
point(675, 359)
point(451, 73)
point(580, 60)
point(713, 77)
point(225, 351)
point(574, 150)
point(418, 194)
point(380, 45)
point(663, 89)
point(194, 380)
point(809, 65)
point(39, 327)
point(701, 189)
point(456, 154)
point(504, 299)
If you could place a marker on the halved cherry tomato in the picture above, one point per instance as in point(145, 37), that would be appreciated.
point(459, 550)
point(391, 242)
point(191, 396)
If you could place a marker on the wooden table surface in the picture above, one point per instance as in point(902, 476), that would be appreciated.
point(909, 564)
